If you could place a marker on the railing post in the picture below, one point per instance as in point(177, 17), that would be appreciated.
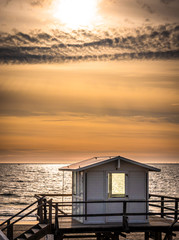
point(9, 231)
point(162, 207)
point(40, 212)
point(56, 219)
point(50, 211)
point(146, 235)
point(45, 210)
point(125, 218)
point(176, 208)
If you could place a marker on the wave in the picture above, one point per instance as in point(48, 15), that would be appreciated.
point(9, 195)
point(10, 215)
point(15, 203)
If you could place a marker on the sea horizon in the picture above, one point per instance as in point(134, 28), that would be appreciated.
point(21, 181)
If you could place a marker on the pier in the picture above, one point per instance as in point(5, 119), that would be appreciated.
point(55, 217)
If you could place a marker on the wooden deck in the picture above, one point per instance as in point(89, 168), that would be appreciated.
point(155, 229)
point(155, 223)
point(73, 227)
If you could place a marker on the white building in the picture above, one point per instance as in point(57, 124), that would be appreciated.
point(109, 179)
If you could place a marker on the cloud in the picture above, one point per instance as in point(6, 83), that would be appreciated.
point(160, 42)
point(35, 3)
point(145, 6)
point(40, 3)
point(35, 101)
point(167, 1)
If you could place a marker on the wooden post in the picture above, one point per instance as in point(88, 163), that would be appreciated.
point(124, 214)
point(125, 218)
point(9, 231)
point(58, 237)
point(40, 212)
point(170, 237)
point(50, 212)
point(56, 219)
point(98, 236)
point(45, 210)
point(115, 236)
point(162, 207)
point(158, 236)
point(146, 236)
point(176, 209)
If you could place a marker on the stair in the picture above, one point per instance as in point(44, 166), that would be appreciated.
point(36, 232)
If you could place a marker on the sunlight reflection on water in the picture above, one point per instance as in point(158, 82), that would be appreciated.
point(20, 182)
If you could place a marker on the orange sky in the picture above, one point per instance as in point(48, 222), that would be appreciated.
point(61, 113)
point(89, 78)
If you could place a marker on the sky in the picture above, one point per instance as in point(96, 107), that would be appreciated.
point(85, 78)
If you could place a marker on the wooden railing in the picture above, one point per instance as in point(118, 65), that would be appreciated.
point(162, 205)
point(155, 203)
point(124, 214)
point(46, 210)
point(41, 215)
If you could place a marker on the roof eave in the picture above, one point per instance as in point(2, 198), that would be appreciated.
point(91, 166)
point(149, 168)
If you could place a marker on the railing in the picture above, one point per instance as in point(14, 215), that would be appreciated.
point(46, 210)
point(41, 215)
point(155, 203)
point(163, 207)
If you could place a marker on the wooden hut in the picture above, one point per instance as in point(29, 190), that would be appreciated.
point(110, 180)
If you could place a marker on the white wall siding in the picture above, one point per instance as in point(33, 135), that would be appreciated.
point(137, 191)
point(95, 191)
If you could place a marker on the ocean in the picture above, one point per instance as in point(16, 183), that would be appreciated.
point(20, 182)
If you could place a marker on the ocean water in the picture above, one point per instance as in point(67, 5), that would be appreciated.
point(20, 182)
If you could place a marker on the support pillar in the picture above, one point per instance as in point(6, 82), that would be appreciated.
point(170, 237)
point(9, 231)
point(158, 236)
point(58, 237)
point(146, 237)
point(98, 236)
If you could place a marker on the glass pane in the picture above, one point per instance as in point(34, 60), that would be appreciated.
point(118, 183)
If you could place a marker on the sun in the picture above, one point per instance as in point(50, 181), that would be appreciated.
point(77, 13)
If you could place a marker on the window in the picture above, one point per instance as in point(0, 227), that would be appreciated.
point(116, 185)
point(74, 175)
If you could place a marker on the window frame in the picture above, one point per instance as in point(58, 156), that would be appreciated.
point(109, 185)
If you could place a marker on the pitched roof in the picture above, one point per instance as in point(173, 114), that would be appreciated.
point(97, 161)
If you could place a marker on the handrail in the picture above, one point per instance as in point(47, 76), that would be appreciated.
point(25, 215)
point(54, 195)
point(118, 201)
point(162, 197)
point(158, 195)
point(153, 205)
point(20, 212)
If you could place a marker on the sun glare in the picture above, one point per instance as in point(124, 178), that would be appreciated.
point(77, 13)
